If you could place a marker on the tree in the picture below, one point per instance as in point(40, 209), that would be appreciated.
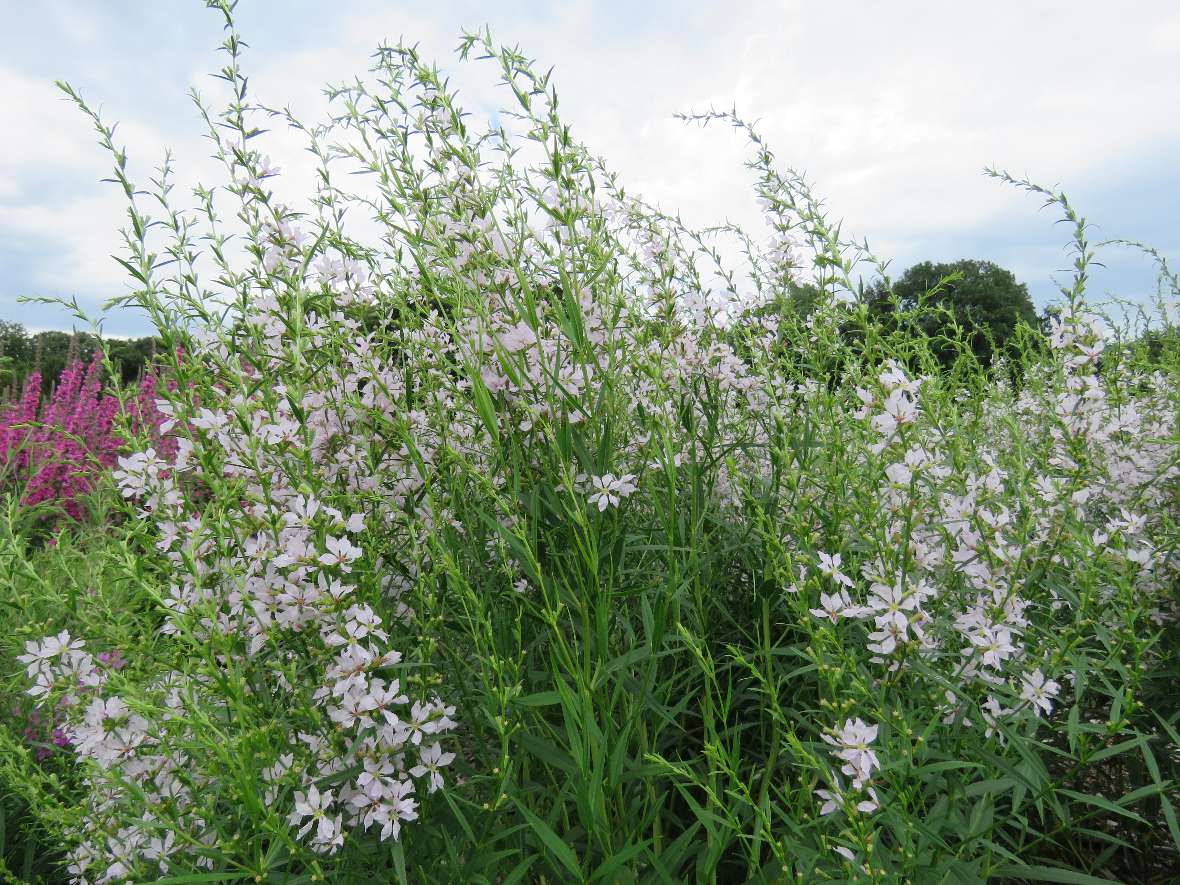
point(48, 352)
point(982, 299)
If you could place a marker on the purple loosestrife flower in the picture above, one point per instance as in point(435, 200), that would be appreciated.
point(113, 660)
point(56, 449)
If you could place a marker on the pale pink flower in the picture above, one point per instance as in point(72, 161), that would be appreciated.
point(341, 552)
point(832, 802)
point(834, 606)
point(829, 564)
point(852, 743)
point(431, 759)
point(314, 806)
point(609, 490)
point(1039, 691)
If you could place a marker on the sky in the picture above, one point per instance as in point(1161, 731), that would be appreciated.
point(891, 109)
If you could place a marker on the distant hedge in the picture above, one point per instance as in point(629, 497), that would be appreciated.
point(21, 352)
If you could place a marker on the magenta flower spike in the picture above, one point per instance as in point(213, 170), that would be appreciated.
point(55, 449)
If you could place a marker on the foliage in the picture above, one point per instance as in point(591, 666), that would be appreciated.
point(49, 353)
point(968, 301)
point(513, 544)
point(84, 581)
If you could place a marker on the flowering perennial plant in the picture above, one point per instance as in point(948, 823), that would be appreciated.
point(55, 450)
point(834, 595)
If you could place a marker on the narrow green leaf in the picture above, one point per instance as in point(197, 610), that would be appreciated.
point(1035, 873)
point(553, 842)
point(485, 407)
point(545, 751)
point(517, 872)
point(1153, 767)
point(613, 863)
point(539, 699)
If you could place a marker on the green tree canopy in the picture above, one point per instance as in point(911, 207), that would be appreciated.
point(982, 299)
point(23, 352)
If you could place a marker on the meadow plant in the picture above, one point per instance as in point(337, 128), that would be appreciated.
point(53, 450)
point(516, 543)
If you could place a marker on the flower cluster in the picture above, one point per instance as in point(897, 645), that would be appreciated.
point(381, 442)
point(55, 450)
point(851, 745)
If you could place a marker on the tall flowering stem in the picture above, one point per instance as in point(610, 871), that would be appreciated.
point(525, 540)
point(53, 451)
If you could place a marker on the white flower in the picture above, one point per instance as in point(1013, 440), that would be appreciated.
point(1039, 691)
point(832, 802)
point(900, 410)
point(493, 381)
point(852, 743)
point(885, 640)
point(328, 836)
point(398, 807)
point(834, 606)
point(341, 552)
point(39, 654)
point(159, 849)
point(992, 711)
point(868, 806)
point(207, 419)
point(384, 697)
point(996, 645)
point(894, 378)
point(899, 475)
point(315, 806)
point(830, 566)
point(354, 710)
point(432, 758)
point(138, 472)
point(889, 603)
point(43, 685)
point(609, 490)
point(517, 337)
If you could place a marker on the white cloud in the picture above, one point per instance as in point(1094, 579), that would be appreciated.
point(45, 136)
point(892, 109)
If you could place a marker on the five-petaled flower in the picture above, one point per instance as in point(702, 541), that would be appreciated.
point(1038, 691)
point(608, 490)
point(341, 552)
point(829, 564)
point(852, 743)
point(432, 758)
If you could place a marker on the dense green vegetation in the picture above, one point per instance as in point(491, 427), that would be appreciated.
point(519, 543)
point(976, 303)
point(48, 352)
